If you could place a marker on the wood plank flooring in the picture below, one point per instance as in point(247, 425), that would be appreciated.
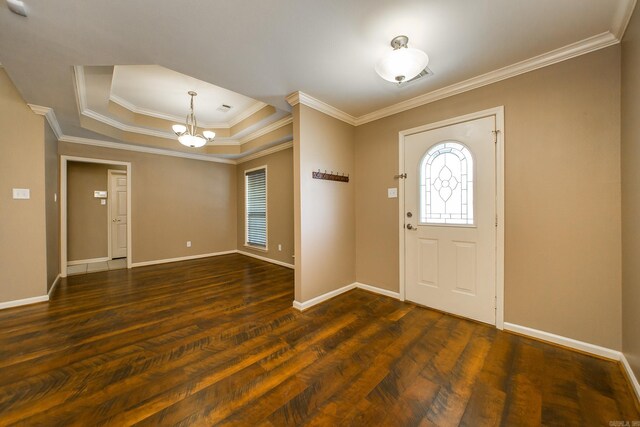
point(216, 342)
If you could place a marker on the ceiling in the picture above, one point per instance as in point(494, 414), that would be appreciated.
point(159, 92)
point(265, 50)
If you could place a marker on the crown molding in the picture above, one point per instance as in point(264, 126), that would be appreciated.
point(304, 99)
point(50, 116)
point(266, 152)
point(582, 47)
point(265, 130)
point(622, 17)
point(143, 149)
point(247, 112)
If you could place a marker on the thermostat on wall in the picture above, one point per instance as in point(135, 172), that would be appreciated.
point(100, 194)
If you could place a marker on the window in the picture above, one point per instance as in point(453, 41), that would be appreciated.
point(256, 207)
point(446, 185)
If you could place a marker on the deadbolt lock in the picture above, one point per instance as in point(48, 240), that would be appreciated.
point(409, 214)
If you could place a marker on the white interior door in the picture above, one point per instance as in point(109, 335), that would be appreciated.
point(450, 219)
point(118, 213)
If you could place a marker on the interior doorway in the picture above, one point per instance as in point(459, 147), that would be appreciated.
point(95, 215)
point(117, 210)
point(452, 216)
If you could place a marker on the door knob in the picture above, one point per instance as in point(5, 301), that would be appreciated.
point(410, 227)
point(114, 220)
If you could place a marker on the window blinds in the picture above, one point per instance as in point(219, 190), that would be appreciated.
point(256, 215)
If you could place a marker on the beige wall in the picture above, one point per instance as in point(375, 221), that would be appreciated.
point(87, 219)
point(174, 200)
point(631, 193)
point(23, 266)
point(562, 223)
point(325, 256)
point(51, 168)
point(279, 205)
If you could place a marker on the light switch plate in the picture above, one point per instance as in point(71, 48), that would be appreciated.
point(103, 201)
point(21, 193)
point(392, 193)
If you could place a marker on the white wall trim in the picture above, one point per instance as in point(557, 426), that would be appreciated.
point(622, 17)
point(356, 285)
point(377, 290)
point(247, 112)
point(597, 350)
point(183, 258)
point(263, 258)
point(582, 47)
point(265, 130)
point(19, 302)
point(632, 376)
point(266, 152)
point(143, 149)
point(498, 113)
point(50, 116)
point(304, 99)
point(53, 287)
point(88, 261)
point(322, 298)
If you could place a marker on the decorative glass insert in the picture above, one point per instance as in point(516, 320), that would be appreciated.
point(446, 185)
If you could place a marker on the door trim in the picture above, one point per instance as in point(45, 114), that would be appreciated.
point(63, 205)
point(498, 112)
point(110, 173)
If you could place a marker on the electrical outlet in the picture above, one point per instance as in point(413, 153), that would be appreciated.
point(280, 247)
point(188, 243)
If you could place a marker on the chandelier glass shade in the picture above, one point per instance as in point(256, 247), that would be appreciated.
point(188, 133)
point(402, 63)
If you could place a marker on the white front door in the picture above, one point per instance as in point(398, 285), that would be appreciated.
point(450, 217)
point(118, 213)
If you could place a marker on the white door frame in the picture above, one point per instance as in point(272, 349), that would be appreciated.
point(498, 112)
point(63, 205)
point(110, 173)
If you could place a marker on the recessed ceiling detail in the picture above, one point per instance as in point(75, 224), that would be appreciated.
point(156, 91)
point(255, 127)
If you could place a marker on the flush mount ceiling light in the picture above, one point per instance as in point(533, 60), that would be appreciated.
point(402, 63)
point(187, 133)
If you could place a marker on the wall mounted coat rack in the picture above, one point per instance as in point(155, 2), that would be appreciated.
point(330, 176)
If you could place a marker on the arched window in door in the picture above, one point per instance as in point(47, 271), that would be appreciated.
point(446, 185)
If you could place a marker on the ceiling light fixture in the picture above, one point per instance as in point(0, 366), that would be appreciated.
point(402, 63)
point(187, 133)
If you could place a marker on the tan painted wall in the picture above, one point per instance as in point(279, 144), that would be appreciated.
point(174, 200)
point(562, 224)
point(327, 208)
point(87, 227)
point(631, 193)
point(279, 205)
point(23, 265)
point(51, 167)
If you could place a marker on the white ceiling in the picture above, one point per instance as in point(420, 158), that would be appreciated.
point(159, 92)
point(267, 49)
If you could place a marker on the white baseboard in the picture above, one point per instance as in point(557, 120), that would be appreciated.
point(272, 261)
point(632, 376)
point(377, 290)
point(564, 341)
point(322, 298)
point(19, 302)
point(88, 261)
point(55, 283)
point(184, 258)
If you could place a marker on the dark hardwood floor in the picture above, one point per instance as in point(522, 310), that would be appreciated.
point(216, 342)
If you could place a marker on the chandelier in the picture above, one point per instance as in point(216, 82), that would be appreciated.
point(187, 133)
point(402, 63)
